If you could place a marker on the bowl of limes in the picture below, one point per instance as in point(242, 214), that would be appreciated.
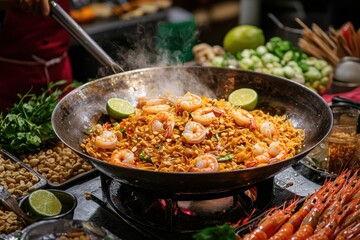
point(49, 204)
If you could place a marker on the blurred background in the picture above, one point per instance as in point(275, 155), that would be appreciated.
point(145, 33)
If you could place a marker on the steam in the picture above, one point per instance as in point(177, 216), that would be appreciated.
point(147, 51)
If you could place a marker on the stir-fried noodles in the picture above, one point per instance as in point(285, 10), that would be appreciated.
point(193, 134)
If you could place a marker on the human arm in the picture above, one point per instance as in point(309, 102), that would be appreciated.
point(35, 6)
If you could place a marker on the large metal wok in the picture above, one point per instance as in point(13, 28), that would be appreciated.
point(85, 106)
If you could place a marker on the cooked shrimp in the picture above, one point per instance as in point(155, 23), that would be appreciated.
point(106, 140)
point(278, 151)
point(153, 106)
point(206, 115)
point(261, 153)
point(189, 102)
point(194, 132)
point(163, 122)
point(123, 157)
point(205, 163)
point(271, 223)
point(243, 118)
point(269, 130)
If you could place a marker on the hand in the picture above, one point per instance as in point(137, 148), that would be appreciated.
point(36, 6)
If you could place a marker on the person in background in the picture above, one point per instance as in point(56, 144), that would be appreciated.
point(33, 49)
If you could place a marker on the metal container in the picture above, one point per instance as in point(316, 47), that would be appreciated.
point(68, 202)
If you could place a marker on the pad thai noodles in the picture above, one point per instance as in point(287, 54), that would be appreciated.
point(193, 134)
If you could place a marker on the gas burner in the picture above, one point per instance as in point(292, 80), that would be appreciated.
point(182, 213)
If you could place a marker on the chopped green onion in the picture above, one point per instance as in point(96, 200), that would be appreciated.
point(90, 131)
point(216, 137)
point(144, 157)
point(226, 157)
point(114, 124)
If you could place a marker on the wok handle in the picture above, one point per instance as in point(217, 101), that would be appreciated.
point(78, 33)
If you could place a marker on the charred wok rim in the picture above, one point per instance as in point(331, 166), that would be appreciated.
point(293, 159)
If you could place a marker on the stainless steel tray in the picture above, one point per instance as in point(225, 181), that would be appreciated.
point(76, 178)
point(42, 181)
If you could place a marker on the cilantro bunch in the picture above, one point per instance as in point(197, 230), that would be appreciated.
point(27, 125)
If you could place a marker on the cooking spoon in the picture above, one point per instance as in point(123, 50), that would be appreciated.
point(11, 203)
point(78, 33)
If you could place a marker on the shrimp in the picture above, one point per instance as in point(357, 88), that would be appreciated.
point(205, 163)
point(153, 106)
point(163, 122)
point(106, 140)
point(243, 118)
point(261, 153)
point(123, 157)
point(194, 132)
point(278, 151)
point(189, 102)
point(350, 232)
point(269, 130)
point(296, 219)
point(206, 115)
point(270, 224)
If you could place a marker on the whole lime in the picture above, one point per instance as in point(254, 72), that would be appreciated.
point(243, 37)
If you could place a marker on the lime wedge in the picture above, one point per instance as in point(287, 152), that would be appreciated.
point(118, 108)
point(246, 98)
point(44, 203)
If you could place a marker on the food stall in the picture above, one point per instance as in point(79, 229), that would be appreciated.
point(133, 152)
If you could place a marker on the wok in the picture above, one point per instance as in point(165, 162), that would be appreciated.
point(85, 106)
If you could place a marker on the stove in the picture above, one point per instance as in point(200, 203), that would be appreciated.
point(154, 216)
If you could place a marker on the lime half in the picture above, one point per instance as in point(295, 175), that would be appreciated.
point(118, 108)
point(246, 98)
point(44, 203)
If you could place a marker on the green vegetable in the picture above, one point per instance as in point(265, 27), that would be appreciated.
point(223, 232)
point(90, 131)
point(226, 157)
point(144, 157)
point(27, 125)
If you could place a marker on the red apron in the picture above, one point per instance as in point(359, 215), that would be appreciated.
point(33, 51)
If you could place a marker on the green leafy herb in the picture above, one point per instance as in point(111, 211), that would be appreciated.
point(226, 157)
point(223, 232)
point(216, 137)
point(27, 125)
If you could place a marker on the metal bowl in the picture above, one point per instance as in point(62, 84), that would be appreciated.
point(68, 202)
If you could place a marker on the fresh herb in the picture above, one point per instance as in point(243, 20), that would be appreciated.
point(27, 125)
point(158, 147)
point(216, 137)
point(226, 157)
point(122, 130)
point(223, 232)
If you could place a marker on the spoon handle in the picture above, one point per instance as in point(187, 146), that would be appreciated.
point(11, 203)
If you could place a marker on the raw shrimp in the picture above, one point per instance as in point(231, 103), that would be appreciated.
point(106, 140)
point(163, 122)
point(206, 115)
point(270, 224)
point(194, 132)
point(269, 130)
point(123, 157)
point(277, 151)
point(243, 118)
point(205, 163)
point(189, 102)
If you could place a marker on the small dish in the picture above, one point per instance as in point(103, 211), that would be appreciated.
point(68, 202)
point(53, 229)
